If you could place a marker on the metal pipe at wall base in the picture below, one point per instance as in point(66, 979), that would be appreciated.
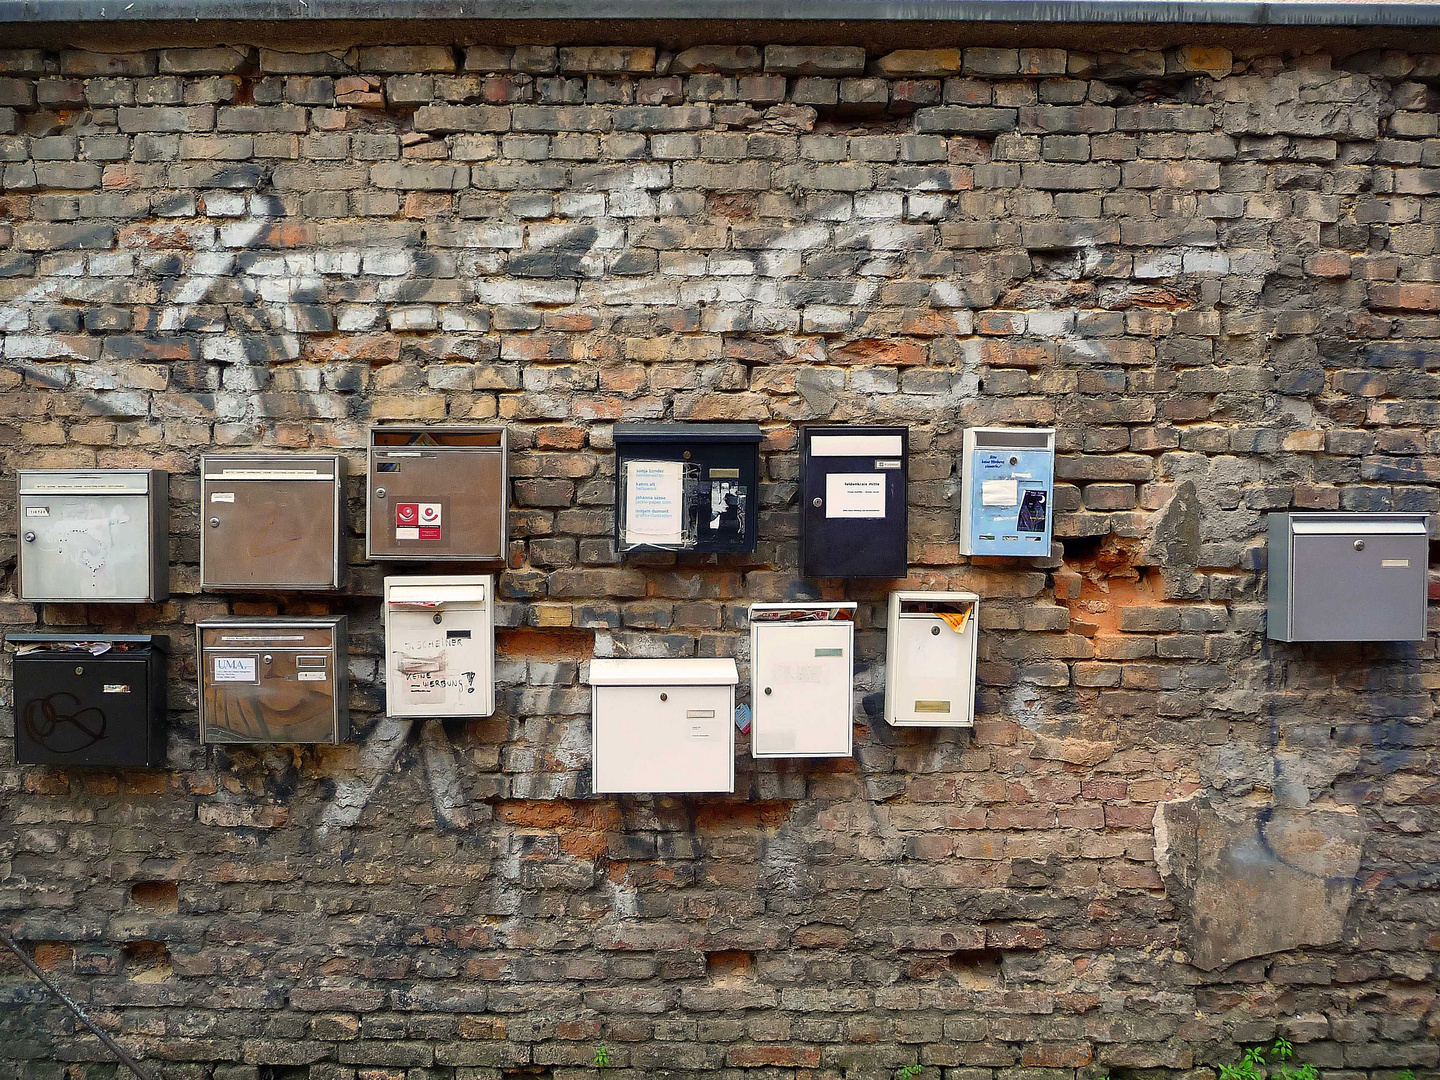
point(1313, 13)
point(110, 1044)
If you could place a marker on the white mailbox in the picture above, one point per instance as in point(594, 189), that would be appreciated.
point(801, 679)
point(930, 659)
point(92, 536)
point(662, 726)
point(440, 646)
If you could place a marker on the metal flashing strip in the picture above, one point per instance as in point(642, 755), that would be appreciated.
point(1316, 13)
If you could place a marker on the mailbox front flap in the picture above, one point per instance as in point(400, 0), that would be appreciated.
point(434, 596)
point(235, 467)
point(683, 671)
point(1359, 525)
point(78, 482)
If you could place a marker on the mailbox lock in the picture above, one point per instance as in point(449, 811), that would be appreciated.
point(767, 690)
point(934, 631)
point(379, 493)
point(267, 658)
point(79, 671)
point(437, 618)
point(664, 697)
point(1359, 545)
point(214, 523)
point(817, 502)
point(1014, 461)
point(686, 455)
point(29, 537)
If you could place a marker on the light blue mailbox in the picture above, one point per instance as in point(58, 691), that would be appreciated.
point(1009, 477)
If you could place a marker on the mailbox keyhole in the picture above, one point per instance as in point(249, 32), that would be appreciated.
point(767, 691)
point(1014, 461)
point(379, 493)
point(29, 537)
point(267, 658)
point(817, 502)
point(934, 631)
point(79, 671)
point(664, 697)
point(214, 523)
point(437, 618)
point(1359, 545)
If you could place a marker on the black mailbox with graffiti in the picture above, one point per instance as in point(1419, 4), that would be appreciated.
point(96, 699)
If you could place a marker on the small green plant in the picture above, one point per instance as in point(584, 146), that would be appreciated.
point(1253, 1066)
point(602, 1057)
point(1406, 1074)
point(908, 1072)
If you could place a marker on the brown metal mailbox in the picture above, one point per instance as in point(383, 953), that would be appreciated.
point(272, 521)
point(437, 493)
point(273, 680)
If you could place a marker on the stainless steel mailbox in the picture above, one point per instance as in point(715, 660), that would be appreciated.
point(273, 680)
point(94, 536)
point(272, 521)
point(438, 493)
point(930, 659)
point(90, 699)
point(1348, 576)
point(440, 646)
point(802, 672)
point(663, 726)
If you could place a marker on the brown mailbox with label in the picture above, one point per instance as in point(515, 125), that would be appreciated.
point(273, 680)
point(272, 521)
point(437, 493)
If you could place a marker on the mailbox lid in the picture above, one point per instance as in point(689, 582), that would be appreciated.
point(802, 678)
point(272, 521)
point(629, 432)
point(93, 535)
point(438, 493)
point(76, 707)
point(428, 597)
point(1354, 577)
point(679, 671)
point(299, 696)
point(857, 475)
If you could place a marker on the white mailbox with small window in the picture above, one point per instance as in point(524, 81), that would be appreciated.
point(440, 646)
point(930, 659)
point(801, 679)
point(663, 726)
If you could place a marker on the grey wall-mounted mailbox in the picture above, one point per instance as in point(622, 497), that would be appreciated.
point(438, 492)
point(853, 501)
point(90, 699)
point(273, 680)
point(94, 536)
point(272, 521)
point(1348, 577)
point(686, 487)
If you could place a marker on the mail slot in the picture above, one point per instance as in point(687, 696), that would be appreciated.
point(1348, 576)
point(662, 725)
point(439, 646)
point(94, 536)
point(93, 699)
point(272, 521)
point(853, 518)
point(930, 659)
point(686, 487)
point(801, 680)
point(273, 680)
point(438, 493)
point(1009, 479)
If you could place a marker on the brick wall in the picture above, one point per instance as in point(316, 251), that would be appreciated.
point(1216, 277)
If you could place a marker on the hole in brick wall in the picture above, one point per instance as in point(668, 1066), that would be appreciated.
point(729, 964)
point(146, 961)
point(156, 895)
point(977, 967)
point(48, 956)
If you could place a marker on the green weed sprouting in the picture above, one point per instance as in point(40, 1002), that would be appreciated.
point(602, 1056)
point(908, 1072)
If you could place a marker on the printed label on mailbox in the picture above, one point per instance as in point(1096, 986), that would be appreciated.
point(222, 496)
point(115, 688)
point(854, 495)
point(235, 669)
point(310, 676)
point(37, 511)
point(418, 521)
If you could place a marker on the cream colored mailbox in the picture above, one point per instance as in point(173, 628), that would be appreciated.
point(662, 726)
point(440, 646)
point(930, 659)
point(801, 677)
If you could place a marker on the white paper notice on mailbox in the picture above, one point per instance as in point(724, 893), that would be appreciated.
point(655, 502)
point(235, 669)
point(999, 492)
point(855, 495)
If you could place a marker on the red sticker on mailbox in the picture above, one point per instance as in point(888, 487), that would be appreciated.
point(430, 521)
point(417, 521)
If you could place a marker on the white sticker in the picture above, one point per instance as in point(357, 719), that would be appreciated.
point(999, 493)
point(854, 495)
point(222, 496)
point(115, 688)
point(887, 464)
point(310, 676)
point(854, 445)
point(235, 669)
point(654, 502)
point(37, 511)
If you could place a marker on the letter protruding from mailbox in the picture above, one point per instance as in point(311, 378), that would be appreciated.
point(1009, 481)
point(686, 487)
point(440, 646)
point(854, 501)
point(930, 659)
